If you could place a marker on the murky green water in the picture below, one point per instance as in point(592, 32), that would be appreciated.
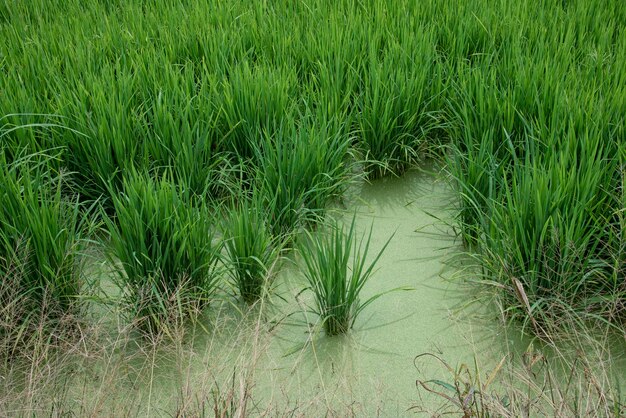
point(282, 362)
point(373, 368)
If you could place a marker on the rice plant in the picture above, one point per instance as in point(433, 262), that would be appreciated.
point(394, 107)
point(300, 169)
point(525, 101)
point(100, 156)
point(253, 101)
point(534, 162)
point(43, 230)
point(547, 234)
point(336, 269)
point(164, 243)
point(251, 248)
point(179, 127)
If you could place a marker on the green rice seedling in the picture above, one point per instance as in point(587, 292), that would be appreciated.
point(616, 233)
point(545, 240)
point(477, 173)
point(100, 159)
point(42, 233)
point(536, 158)
point(393, 107)
point(251, 248)
point(332, 54)
point(300, 168)
point(336, 269)
point(179, 89)
point(253, 100)
point(484, 136)
point(331, 161)
point(26, 134)
point(179, 127)
point(164, 243)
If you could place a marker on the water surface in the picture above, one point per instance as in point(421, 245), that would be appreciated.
point(281, 361)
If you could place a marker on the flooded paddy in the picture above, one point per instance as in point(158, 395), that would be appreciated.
point(276, 355)
point(182, 137)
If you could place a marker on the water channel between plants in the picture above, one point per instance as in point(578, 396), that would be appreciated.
point(285, 362)
point(372, 370)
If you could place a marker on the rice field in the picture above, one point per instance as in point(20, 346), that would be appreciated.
point(199, 150)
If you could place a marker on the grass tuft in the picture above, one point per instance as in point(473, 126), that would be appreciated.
point(164, 243)
point(336, 269)
point(251, 248)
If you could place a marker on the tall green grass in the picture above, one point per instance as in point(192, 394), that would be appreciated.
point(299, 170)
point(336, 268)
point(43, 230)
point(254, 100)
point(394, 103)
point(535, 158)
point(549, 230)
point(163, 241)
point(251, 248)
point(289, 101)
point(287, 93)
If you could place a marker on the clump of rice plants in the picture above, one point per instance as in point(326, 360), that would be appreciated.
point(336, 269)
point(393, 108)
point(539, 181)
point(181, 135)
point(99, 157)
point(42, 234)
point(254, 99)
point(549, 230)
point(299, 169)
point(164, 242)
point(251, 248)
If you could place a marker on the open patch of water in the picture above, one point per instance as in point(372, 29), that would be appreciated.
point(281, 363)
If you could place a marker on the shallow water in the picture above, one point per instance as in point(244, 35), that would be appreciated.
point(371, 370)
point(284, 364)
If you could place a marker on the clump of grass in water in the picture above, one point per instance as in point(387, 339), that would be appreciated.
point(299, 169)
point(543, 234)
point(336, 270)
point(250, 246)
point(42, 234)
point(164, 241)
point(539, 187)
point(393, 115)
